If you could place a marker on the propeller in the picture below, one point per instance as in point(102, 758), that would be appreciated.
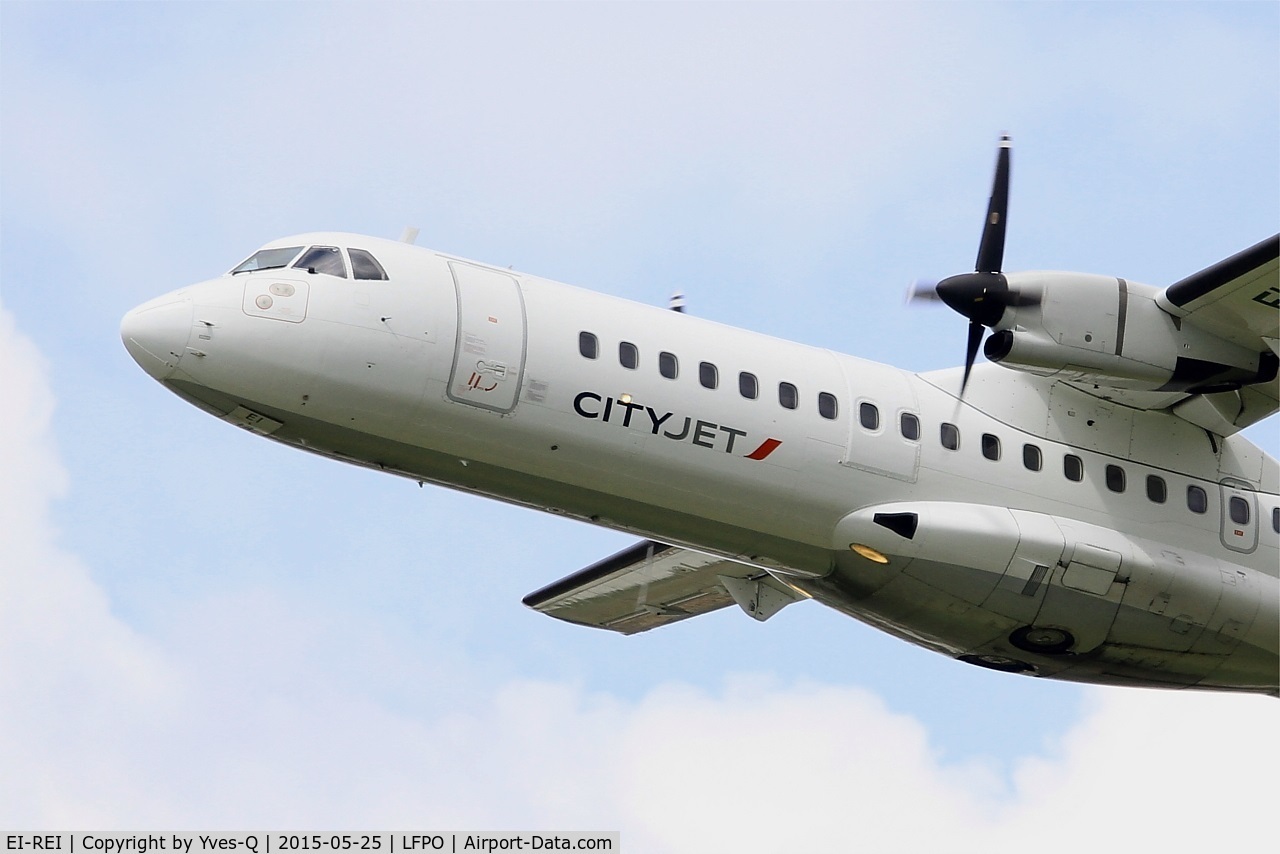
point(977, 295)
point(923, 290)
point(983, 295)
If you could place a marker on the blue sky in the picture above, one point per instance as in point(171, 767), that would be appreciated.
point(200, 629)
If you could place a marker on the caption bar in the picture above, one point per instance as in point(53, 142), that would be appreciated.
point(290, 843)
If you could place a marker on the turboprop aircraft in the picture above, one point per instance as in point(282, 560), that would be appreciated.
point(1082, 509)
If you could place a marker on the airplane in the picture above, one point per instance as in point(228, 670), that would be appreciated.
point(1081, 507)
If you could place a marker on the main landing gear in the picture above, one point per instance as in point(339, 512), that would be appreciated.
point(1044, 640)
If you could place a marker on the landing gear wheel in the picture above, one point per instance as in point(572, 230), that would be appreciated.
point(1045, 640)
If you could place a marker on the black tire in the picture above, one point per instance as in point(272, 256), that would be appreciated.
point(1044, 640)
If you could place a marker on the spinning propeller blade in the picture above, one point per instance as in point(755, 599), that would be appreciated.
point(971, 351)
point(923, 290)
point(983, 295)
point(991, 249)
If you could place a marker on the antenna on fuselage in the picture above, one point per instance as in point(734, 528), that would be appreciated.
point(677, 302)
point(409, 235)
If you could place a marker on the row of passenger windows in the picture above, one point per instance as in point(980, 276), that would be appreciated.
point(909, 426)
point(1114, 475)
point(708, 375)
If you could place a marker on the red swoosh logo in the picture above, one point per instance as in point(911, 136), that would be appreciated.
point(767, 447)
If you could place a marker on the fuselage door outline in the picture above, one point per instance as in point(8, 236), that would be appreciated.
point(489, 351)
point(1239, 509)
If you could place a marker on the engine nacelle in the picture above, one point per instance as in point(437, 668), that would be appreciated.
point(1109, 332)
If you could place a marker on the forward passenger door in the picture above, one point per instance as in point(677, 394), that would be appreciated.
point(489, 352)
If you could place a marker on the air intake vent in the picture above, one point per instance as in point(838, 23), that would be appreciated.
point(902, 524)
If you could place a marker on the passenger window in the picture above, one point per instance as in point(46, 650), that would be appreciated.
point(708, 375)
point(827, 407)
point(667, 365)
point(990, 446)
point(322, 259)
point(1073, 467)
point(1031, 458)
point(1115, 478)
point(1238, 509)
point(910, 426)
point(950, 436)
point(1197, 499)
point(588, 346)
point(788, 396)
point(1156, 490)
point(869, 416)
point(748, 386)
point(365, 266)
point(628, 355)
point(1275, 519)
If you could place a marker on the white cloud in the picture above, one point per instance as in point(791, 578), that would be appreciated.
point(253, 710)
point(63, 656)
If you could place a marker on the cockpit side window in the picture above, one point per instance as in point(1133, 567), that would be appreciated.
point(365, 266)
point(323, 259)
point(268, 259)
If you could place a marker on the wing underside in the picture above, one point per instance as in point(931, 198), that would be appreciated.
point(652, 584)
point(1237, 300)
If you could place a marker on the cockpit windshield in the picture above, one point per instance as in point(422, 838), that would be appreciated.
point(268, 259)
point(323, 259)
point(365, 266)
point(329, 260)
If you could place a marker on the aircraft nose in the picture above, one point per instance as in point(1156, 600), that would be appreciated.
point(155, 333)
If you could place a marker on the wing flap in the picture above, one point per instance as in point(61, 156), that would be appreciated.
point(645, 586)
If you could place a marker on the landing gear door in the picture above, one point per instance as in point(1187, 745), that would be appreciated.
point(488, 359)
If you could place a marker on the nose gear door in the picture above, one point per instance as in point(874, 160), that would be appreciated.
point(488, 359)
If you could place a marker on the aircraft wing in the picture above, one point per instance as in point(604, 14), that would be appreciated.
point(652, 584)
point(1237, 299)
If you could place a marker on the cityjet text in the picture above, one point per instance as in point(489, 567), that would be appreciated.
point(705, 434)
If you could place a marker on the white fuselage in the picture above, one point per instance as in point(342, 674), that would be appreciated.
point(483, 379)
